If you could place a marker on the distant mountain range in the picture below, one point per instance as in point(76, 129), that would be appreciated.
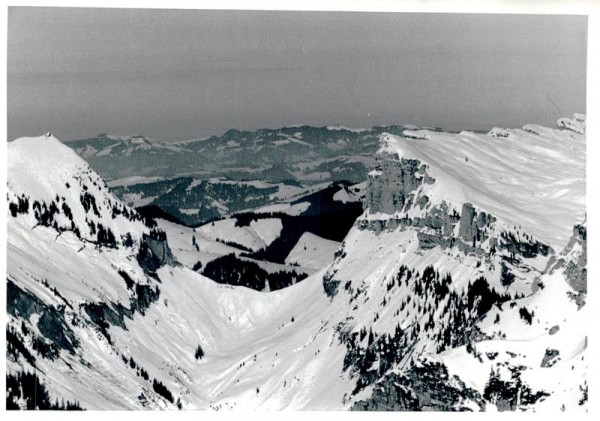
point(196, 181)
point(236, 154)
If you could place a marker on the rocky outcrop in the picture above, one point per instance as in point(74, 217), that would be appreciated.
point(425, 387)
point(330, 285)
point(154, 253)
point(51, 323)
point(473, 224)
point(390, 184)
point(394, 190)
point(576, 270)
point(550, 358)
point(440, 219)
point(576, 124)
point(103, 315)
point(573, 263)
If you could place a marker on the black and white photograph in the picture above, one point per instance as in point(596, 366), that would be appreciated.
point(266, 209)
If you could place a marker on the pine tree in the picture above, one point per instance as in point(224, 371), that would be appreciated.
point(199, 353)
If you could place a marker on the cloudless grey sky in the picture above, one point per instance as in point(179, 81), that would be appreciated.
point(184, 74)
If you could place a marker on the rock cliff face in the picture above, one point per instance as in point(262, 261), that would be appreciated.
point(398, 199)
point(154, 252)
point(424, 387)
point(573, 260)
point(391, 183)
point(393, 190)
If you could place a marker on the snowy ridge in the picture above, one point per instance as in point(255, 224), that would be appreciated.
point(103, 327)
point(255, 237)
point(126, 145)
point(532, 179)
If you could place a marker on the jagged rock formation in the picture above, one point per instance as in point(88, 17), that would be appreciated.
point(573, 262)
point(391, 183)
point(424, 387)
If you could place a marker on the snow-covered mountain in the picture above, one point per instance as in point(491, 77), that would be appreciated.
point(442, 296)
point(463, 230)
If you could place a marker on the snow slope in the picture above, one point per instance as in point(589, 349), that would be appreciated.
point(550, 350)
point(312, 251)
point(455, 225)
point(182, 239)
point(255, 355)
point(257, 236)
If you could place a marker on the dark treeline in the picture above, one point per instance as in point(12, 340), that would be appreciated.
point(27, 388)
point(232, 270)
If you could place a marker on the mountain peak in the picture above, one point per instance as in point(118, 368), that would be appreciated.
point(41, 163)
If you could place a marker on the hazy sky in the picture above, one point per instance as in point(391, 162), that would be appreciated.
point(183, 74)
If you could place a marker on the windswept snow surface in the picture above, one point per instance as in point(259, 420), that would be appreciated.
point(39, 166)
point(528, 179)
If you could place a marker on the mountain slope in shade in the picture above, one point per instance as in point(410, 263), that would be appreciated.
point(438, 298)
